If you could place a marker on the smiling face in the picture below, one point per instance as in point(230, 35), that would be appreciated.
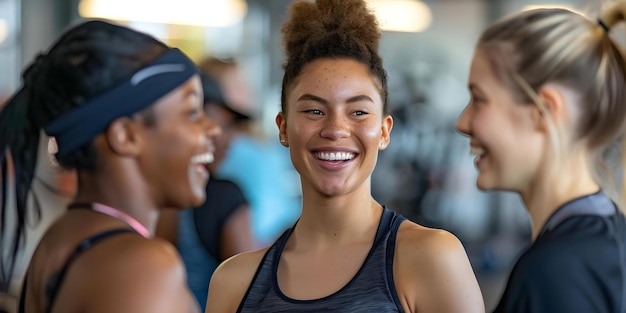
point(504, 135)
point(178, 147)
point(334, 126)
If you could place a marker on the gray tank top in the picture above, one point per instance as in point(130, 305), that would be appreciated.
point(372, 289)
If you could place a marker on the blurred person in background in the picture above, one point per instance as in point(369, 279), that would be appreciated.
point(547, 103)
point(347, 252)
point(259, 167)
point(125, 112)
point(211, 233)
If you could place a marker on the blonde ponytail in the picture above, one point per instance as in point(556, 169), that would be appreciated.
point(612, 13)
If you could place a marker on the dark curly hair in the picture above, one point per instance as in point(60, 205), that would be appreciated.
point(86, 61)
point(331, 29)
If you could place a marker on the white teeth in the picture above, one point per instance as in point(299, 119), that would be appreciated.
point(335, 156)
point(205, 158)
point(476, 151)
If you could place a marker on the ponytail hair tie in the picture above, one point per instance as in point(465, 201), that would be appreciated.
point(604, 26)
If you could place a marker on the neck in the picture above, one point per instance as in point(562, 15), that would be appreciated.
point(116, 192)
point(568, 180)
point(337, 219)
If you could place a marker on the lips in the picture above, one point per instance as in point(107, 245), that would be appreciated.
point(477, 150)
point(334, 159)
point(200, 163)
point(205, 158)
point(479, 153)
point(335, 156)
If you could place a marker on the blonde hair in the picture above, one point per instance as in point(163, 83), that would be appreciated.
point(532, 48)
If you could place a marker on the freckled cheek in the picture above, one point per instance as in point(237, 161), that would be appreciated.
point(299, 131)
point(371, 133)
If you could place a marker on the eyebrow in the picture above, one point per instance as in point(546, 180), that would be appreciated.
point(308, 96)
point(192, 92)
point(193, 95)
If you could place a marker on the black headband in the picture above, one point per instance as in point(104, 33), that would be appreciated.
point(78, 126)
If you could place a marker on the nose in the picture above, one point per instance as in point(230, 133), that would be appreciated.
point(463, 122)
point(211, 127)
point(335, 127)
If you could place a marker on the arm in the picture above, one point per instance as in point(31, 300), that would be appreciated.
point(231, 280)
point(236, 236)
point(143, 276)
point(433, 273)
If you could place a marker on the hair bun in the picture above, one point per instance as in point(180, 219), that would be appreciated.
point(312, 22)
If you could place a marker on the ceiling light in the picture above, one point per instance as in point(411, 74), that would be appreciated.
point(4, 30)
point(402, 15)
point(210, 13)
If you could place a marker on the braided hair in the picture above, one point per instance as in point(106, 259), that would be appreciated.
point(86, 61)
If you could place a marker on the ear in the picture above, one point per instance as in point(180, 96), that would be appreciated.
point(555, 107)
point(123, 137)
point(385, 134)
point(281, 122)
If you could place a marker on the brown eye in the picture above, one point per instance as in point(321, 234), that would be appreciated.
point(194, 115)
point(477, 100)
point(314, 112)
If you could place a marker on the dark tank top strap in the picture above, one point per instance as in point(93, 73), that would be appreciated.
point(395, 221)
point(263, 275)
point(390, 221)
point(280, 245)
point(55, 282)
point(385, 223)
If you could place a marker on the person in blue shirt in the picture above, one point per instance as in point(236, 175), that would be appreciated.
point(547, 103)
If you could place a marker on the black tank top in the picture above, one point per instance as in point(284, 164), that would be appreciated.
point(372, 289)
point(56, 279)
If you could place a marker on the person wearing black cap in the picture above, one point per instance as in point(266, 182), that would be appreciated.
point(260, 167)
point(124, 111)
point(232, 112)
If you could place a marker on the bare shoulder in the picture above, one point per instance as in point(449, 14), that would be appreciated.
point(428, 244)
point(139, 275)
point(153, 256)
point(433, 273)
point(231, 280)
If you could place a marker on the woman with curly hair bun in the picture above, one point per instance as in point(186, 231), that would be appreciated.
point(347, 252)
